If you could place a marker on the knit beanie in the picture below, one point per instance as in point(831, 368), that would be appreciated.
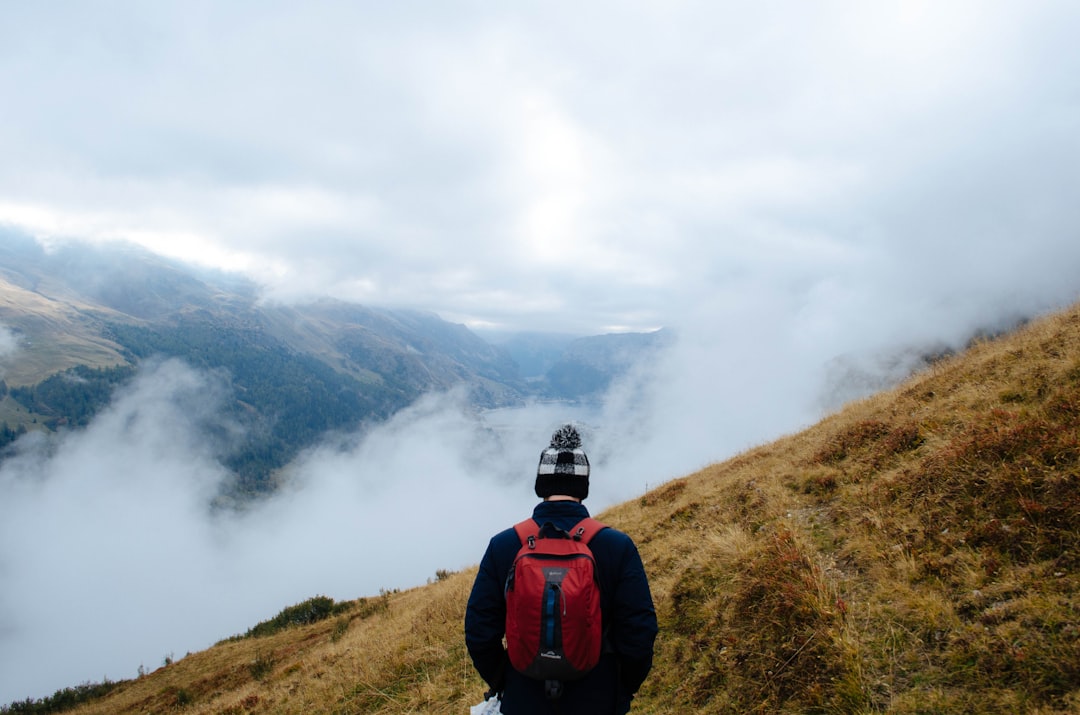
point(564, 468)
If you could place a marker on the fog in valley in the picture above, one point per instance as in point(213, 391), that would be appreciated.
point(113, 560)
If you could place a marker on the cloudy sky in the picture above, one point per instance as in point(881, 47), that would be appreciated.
point(808, 192)
point(549, 165)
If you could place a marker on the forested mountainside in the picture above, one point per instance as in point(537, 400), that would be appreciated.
point(78, 320)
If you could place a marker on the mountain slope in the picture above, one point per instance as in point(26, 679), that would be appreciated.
point(77, 292)
point(295, 372)
point(58, 334)
point(588, 365)
point(564, 367)
point(916, 552)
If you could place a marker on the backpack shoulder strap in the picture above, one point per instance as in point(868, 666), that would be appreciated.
point(527, 528)
point(586, 529)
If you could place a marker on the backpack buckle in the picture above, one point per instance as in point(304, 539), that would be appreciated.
point(553, 689)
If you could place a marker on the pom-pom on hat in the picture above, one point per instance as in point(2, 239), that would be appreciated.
point(564, 468)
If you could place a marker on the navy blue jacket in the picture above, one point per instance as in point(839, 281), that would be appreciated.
point(629, 622)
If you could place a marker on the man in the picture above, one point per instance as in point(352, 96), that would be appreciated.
point(627, 613)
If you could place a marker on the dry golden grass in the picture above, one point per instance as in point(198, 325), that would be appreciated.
point(917, 552)
point(54, 336)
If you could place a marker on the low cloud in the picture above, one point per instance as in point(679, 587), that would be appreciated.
point(9, 343)
point(112, 559)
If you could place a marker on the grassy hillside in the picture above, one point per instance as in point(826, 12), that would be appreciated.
point(54, 336)
point(916, 552)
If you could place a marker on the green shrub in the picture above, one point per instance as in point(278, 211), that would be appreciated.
point(312, 610)
point(62, 700)
point(261, 666)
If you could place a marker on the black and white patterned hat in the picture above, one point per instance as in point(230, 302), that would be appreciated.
point(564, 468)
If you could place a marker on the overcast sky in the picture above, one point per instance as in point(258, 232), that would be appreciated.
point(809, 193)
point(551, 165)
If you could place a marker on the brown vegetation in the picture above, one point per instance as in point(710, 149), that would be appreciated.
point(54, 335)
point(916, 552)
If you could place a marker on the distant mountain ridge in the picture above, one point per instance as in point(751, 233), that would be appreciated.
point(302, 370)
point(563, 366)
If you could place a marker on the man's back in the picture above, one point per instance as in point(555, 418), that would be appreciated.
point(629, 623)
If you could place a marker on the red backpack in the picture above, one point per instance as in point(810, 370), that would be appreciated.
point(553, 623)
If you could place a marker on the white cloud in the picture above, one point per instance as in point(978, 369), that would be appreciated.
point(112, 558)
point(9, 343)
point(599, 171)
